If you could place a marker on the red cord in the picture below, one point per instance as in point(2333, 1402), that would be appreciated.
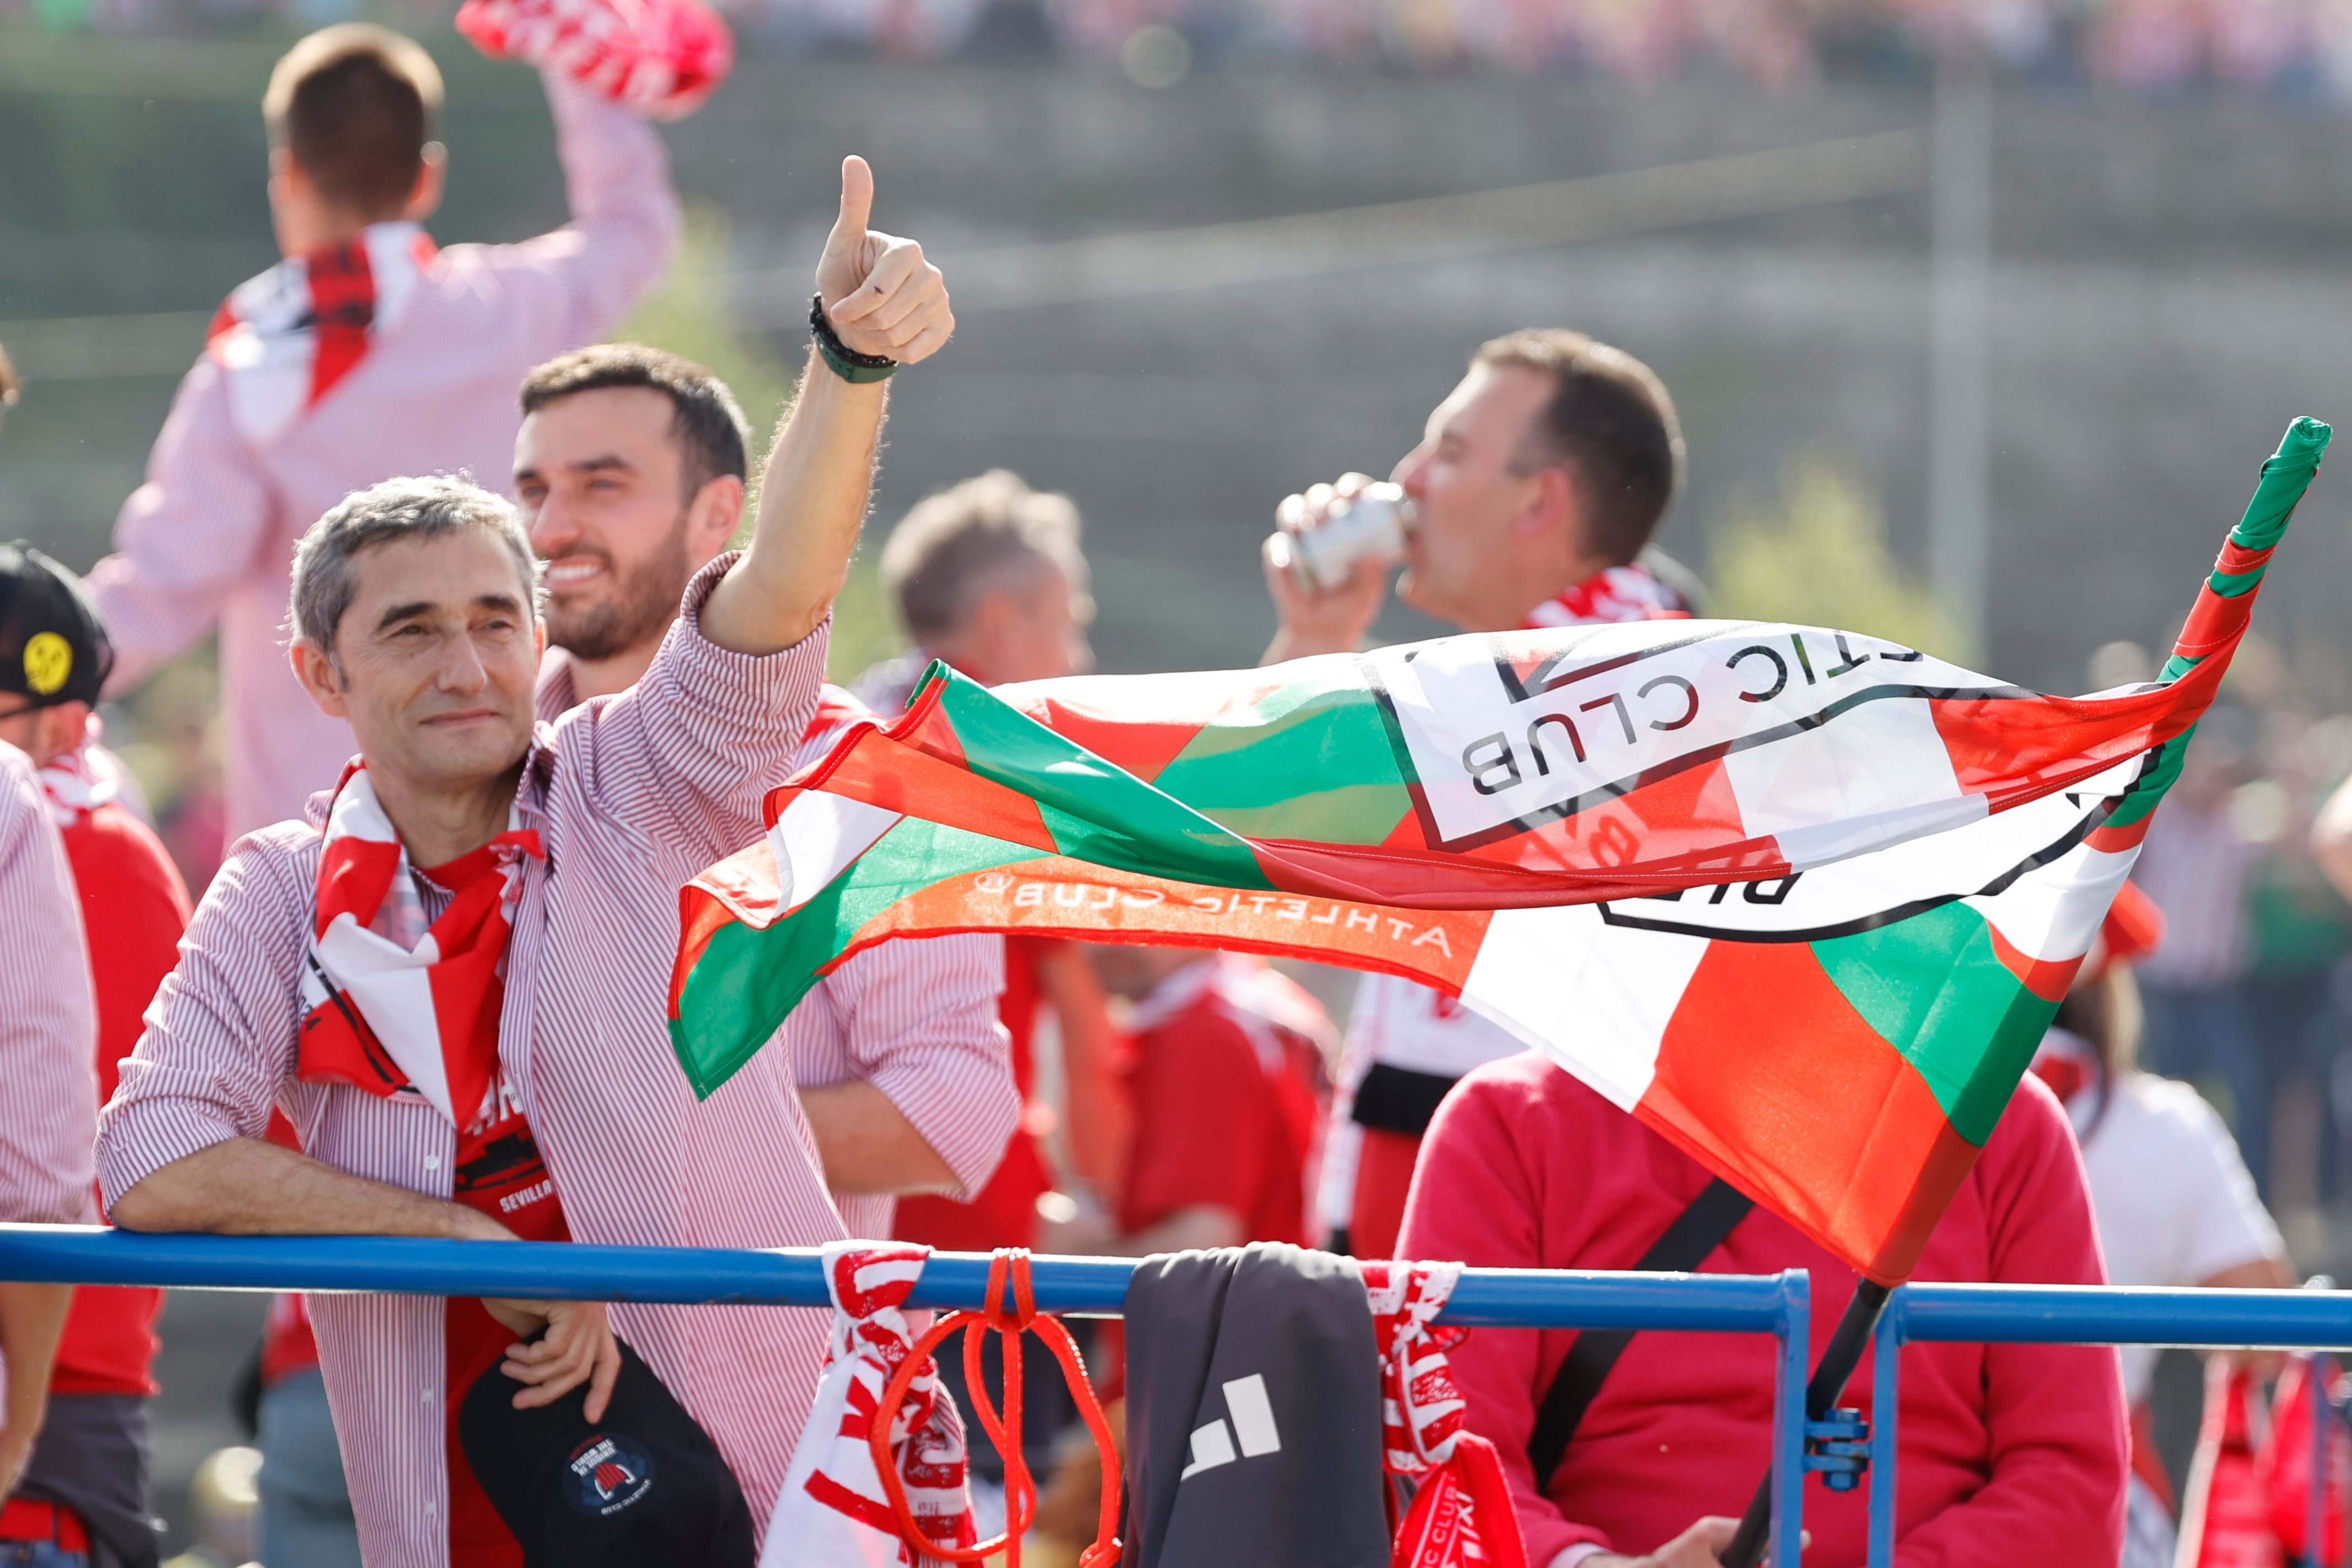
point(1011, 1265)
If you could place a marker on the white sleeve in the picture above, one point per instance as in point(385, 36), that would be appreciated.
point(2224, 1224)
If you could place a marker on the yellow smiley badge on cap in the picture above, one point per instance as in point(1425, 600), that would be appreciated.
point(48, 659)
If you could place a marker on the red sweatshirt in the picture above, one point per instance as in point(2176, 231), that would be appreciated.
point(2010, 1454)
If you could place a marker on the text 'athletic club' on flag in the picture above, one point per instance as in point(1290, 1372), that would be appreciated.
point(1803, 901)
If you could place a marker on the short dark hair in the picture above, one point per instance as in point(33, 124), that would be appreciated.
point(323, 583)
point(958, 545)
point(713, 437)
point(355, 105)
point(1611, 421)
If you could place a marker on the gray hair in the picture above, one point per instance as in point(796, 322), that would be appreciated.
point(958, 545)
point(398, 508)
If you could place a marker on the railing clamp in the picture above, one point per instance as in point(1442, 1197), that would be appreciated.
point(1838, 1445)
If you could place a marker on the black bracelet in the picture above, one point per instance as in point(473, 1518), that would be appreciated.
point(844, 362)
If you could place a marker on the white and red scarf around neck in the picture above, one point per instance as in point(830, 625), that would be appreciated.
point(1630, 593)
point(833, 1511)
point(388, 1013)
point(286, 338)
point(78, 782)
point(1462, 1516)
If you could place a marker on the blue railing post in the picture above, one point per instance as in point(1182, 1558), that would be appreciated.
point(1885, 1402)
point(1795, 1334)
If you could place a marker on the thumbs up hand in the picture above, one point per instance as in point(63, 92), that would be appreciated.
point(880, 295)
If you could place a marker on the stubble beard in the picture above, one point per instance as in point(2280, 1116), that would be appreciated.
point(643, 602)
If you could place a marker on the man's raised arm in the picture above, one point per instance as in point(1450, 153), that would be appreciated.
point(883, 299)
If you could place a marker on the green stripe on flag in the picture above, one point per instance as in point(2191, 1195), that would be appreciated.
point(746, 980)
point(1095, 810)
point(1934, 988)
point(1310, 735)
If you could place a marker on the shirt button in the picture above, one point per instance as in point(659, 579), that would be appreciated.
point(428, 1396)
point(431, 1509)
point(432, 1162)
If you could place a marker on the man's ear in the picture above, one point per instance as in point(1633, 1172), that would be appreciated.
point(314, 666)
point(432, 172)
point(1551, 505)
point(712, 518)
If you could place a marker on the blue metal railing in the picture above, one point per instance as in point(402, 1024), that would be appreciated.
point(1494, 1298)
point(2059, 1314)
point(1779, 1305)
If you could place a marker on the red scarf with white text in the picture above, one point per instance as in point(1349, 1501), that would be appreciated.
point(386, 1017)
point(1462, 1515)
point(285, 338)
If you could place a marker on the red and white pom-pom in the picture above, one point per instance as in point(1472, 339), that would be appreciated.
point(660, 57)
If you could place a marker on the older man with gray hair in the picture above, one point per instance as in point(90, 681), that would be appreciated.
point(454, 979)
point(987, 575)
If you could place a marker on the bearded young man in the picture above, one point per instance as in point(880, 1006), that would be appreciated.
point(453, 978)
point(630, 466)
point(1537, 489)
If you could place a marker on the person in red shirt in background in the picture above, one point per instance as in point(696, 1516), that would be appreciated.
point(2012, 1454)
point(1225, 1084)
point(987, 576)
point(88, 1479)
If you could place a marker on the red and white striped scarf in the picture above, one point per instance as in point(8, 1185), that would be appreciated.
point(660, 57)
point(392, 1010)
point(1628, 592)
point(78, 782)
point(833, 1511)
point(1462, 1514)
point(285, 338)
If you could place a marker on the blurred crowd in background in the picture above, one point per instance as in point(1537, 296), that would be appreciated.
point(2291, 47)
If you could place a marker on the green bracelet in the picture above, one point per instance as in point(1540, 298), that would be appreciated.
point(839, 357)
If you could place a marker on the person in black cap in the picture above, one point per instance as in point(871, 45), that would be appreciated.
point(87, 1480)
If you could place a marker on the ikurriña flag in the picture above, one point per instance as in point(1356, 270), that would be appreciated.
point(1805, 901)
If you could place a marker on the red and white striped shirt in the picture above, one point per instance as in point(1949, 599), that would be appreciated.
point(918, 1020)
point(49, 1015)
point(209, 538)
point(631, 796)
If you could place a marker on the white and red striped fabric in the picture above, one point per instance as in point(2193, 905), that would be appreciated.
point(419, 1002)
point(833, 1511)
point(49, 1015)
point(285, 339)
point(632, 795)
point(78, 782)
point(1462, 1512)
point(660, 57)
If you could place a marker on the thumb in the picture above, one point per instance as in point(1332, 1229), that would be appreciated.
point(856, 203)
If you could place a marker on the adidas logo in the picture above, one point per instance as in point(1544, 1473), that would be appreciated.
point(1252, 1415)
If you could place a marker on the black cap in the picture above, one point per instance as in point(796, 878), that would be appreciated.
point(644, 1485)
point(53, 648)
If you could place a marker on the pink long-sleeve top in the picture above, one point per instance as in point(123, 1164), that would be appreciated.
point(49, 1015)
point(632, 795)
point(208, 539)
point(2010, 1454)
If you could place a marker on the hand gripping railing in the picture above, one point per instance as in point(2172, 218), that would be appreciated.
point(793, 1277)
